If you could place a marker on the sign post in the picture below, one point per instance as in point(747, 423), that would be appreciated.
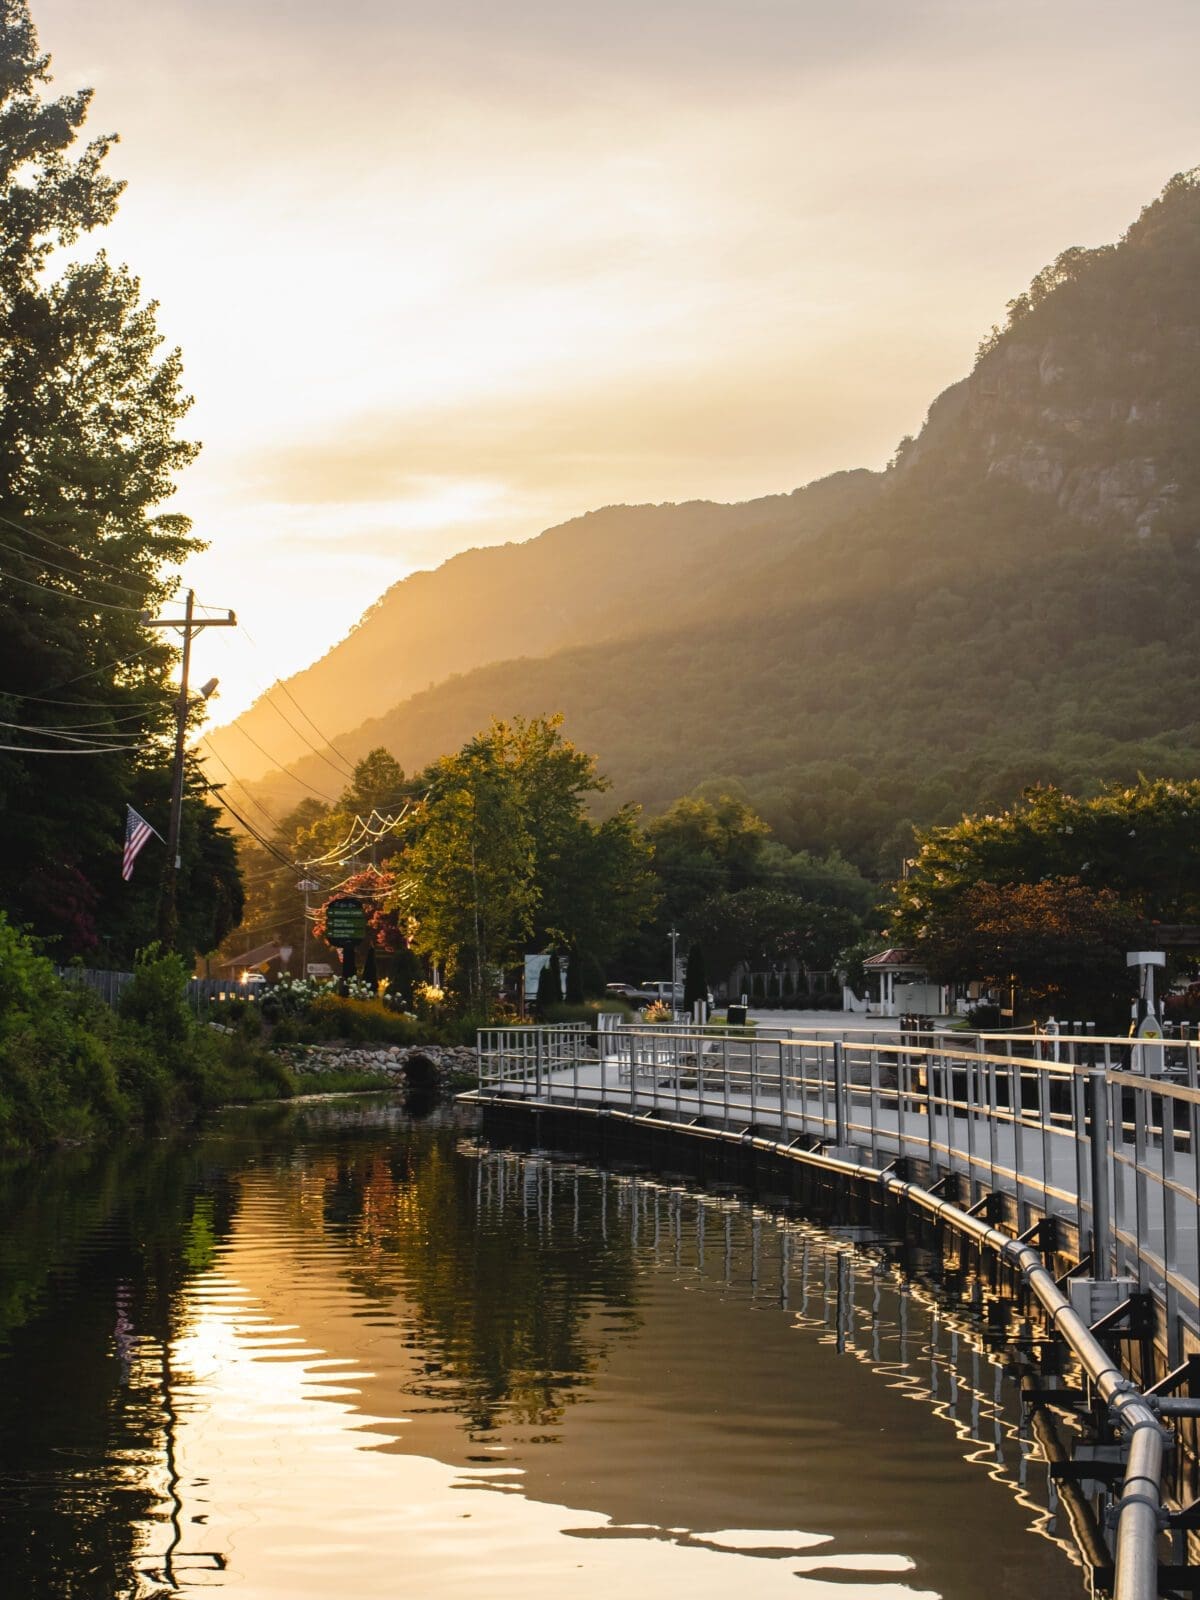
point(345, 926)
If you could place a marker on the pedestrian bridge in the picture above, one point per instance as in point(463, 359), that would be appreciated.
point(1099, 1136)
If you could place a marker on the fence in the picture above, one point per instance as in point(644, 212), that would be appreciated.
point(202, 993)
point(1102, 1132)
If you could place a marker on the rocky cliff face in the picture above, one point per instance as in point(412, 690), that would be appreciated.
point(1089, 395)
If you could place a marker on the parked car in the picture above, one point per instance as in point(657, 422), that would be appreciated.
point(630, 993)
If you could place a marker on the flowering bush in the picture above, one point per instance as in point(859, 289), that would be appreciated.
point(657, 1011)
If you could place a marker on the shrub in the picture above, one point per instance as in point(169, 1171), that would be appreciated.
point(157, 997)
point(333, 1017)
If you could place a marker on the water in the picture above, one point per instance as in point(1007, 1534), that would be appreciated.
point(323, 1351)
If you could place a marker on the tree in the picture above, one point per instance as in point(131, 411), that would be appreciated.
point(695, 982)
point(764, 926)
point(88, 451)
point(549, 989)
point(545, 873)
point(468, 876)
point(704, 843)
point(1062, 943)
point(1137, 840)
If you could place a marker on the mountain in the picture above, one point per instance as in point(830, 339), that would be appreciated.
point(592, 577)
point(1014, 601)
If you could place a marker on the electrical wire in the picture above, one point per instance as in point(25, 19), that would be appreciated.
point(279, 766)
point(254, 834)
point(65, 594)
point(74, 705)
point(73, 727)
point(324, 740)
point(304, 739)
point(42, 561)
point(24, 527)
point(278, 683)
point(98, 750)
point(118, 661)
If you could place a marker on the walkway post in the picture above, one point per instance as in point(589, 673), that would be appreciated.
point(783, 1106)
point(1098, 1107)
point(839, 1092)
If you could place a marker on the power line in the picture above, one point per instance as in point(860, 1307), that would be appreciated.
point(279, 767)
point(324, 740)
point(65, 594)
point(233, 778)
point(60, 733)
point(304, 739)
point(72, 727)
point(254, 834)
point(41, 561)
point(74, 705)
point(97, 750)
point(24, 527)
point(118, 661)
point(279, 684)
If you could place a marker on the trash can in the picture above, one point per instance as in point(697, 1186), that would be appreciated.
point(736, 1016)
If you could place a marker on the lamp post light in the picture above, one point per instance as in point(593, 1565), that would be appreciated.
point(674, 936)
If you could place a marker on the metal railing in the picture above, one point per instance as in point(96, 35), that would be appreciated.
point(1107, 1136)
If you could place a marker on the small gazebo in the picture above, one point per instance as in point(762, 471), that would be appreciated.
point(903, 985)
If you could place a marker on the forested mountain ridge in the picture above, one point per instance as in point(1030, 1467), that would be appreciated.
point(1014, 603)
point(594, 577)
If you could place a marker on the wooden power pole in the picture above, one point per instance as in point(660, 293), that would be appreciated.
point(189, 623)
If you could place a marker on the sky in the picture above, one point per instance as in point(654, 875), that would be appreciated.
point(447, 275)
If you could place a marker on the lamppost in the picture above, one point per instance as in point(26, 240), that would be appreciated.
point(306, 885)
point(674, 934)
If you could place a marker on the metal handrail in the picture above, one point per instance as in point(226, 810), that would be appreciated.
point(1082, 1136)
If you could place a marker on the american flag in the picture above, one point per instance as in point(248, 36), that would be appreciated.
point(137, 831)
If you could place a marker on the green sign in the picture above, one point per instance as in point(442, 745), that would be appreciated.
point(345, 921)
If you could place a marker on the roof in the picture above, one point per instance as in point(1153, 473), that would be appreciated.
point(895, 959)
point(251, 958)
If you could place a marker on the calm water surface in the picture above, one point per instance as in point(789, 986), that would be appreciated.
point(324, 1350)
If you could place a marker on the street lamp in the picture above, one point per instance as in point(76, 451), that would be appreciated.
point(674, 935)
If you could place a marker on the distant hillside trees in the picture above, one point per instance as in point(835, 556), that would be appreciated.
point(89, 412)
point(745, 896)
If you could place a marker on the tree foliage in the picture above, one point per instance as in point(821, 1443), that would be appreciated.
point(502, 855)
point(1062, 944)
point(1137, 840)
point(89, 449)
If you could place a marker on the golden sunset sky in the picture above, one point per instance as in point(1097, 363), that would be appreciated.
point(445, 275)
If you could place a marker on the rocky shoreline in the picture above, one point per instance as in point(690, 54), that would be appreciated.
point(418, 1066)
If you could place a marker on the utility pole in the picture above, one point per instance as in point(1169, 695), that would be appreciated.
point(168, 915)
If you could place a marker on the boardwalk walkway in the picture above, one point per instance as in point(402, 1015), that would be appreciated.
point(1037, 1130)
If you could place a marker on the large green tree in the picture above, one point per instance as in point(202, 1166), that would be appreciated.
point(468, 876)
point(89, 410)
point(1138, 840)
point(502, 856)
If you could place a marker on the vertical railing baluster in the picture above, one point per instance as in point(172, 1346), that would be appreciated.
point(783, 1105)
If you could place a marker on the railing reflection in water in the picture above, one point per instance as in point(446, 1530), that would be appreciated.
point(862, 1295)
point(1101, 1132)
